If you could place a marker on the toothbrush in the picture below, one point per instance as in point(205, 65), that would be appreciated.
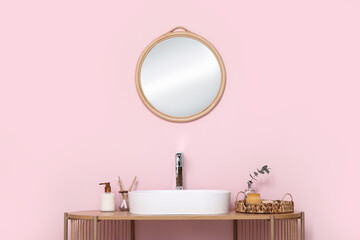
point(121, 189)
point(132, 184)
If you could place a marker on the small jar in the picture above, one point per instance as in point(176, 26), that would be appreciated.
point(253, 198)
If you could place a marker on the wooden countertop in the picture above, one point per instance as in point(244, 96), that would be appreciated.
point(232, 215)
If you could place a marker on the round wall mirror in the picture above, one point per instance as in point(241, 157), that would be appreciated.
point(180, 76)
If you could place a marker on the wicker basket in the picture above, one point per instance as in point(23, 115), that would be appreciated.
point(277, 206)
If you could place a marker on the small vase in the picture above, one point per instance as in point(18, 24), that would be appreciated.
point(124, 204)
point(247, 191)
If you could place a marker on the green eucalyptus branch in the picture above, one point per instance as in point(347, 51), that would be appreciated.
point(263, 170)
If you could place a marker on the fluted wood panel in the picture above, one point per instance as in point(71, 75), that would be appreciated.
point(106, 230)
point(287, 229)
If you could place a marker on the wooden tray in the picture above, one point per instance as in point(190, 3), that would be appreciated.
point(277, 206)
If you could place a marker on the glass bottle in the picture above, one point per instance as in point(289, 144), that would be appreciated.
point(249, 190)
point(124, 204)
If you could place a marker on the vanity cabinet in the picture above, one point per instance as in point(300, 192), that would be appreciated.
point(96, 225)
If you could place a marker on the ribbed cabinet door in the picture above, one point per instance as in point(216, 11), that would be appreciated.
point(106, 230)
point(285, 229)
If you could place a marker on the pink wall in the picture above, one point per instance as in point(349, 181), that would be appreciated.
point(71, 116)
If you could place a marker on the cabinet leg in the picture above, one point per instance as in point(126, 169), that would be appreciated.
point(272, 227)
point(95, 228)
point(235, 234)
point(132, 225)
point(302, 226)
point(66, 226)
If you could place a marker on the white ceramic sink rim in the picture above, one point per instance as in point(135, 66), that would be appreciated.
point(182, 191)
point(167, 202)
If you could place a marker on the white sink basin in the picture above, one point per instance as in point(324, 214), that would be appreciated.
point(179, 202)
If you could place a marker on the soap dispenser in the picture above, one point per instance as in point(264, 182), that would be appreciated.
point(107, 199)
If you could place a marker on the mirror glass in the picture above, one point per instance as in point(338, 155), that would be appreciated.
point(180, 78)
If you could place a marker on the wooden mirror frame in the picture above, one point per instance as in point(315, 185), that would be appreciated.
point(171, 34)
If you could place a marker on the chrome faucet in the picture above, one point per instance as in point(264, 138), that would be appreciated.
point(179, 160)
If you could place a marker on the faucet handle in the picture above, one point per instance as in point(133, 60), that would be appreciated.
point(179, 159)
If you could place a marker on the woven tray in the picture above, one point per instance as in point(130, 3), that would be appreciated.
point(277, 206)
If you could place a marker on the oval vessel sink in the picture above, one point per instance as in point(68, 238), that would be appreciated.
point(179, 202)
